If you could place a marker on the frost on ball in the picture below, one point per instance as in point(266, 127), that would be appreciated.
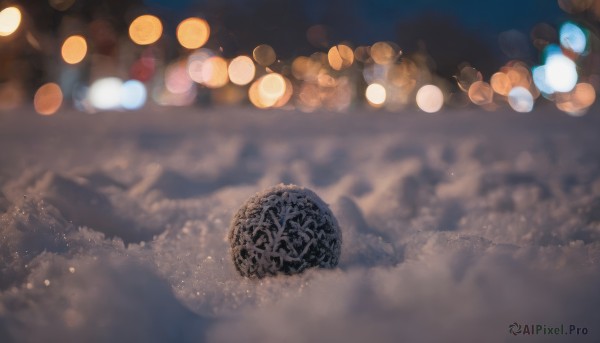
point(284, 229)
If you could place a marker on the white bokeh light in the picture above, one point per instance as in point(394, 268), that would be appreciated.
point(105, 94)
point(376, 94)
point(430, 98)
point(520, 99)
point(561, 73)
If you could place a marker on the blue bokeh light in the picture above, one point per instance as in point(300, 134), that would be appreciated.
point(573, 37)
point(520, 99)
point(133, 95)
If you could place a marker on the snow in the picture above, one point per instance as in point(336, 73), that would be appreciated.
point(113, 226)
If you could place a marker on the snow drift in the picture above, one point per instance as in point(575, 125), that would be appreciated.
point(113, 226)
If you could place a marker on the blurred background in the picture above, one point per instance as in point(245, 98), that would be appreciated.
point(333, 55)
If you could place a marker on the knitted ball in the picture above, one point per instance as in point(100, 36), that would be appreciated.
point(284, 229)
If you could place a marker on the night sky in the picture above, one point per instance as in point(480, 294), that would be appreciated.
point(451, 31)
point(377, 18)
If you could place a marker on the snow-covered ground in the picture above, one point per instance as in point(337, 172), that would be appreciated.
point(113, 225)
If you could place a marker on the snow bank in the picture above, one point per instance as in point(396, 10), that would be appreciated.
point(113, 227)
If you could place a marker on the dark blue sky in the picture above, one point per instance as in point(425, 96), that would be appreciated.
point(379, 17)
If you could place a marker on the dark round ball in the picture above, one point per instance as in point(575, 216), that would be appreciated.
point(284, 229)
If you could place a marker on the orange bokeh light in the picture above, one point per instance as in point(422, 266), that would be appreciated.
point(48, 99)
point(192, 33)
point(271, 90)
point(481, 93)
point(214, 72)
point(501, 83)
point(74, 49)
point(340, 57)
point(145, 29)
point(383, 53)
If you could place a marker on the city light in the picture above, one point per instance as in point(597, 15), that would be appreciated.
point(214, 72)
point(335, 77)
point(340, 57)
point(561, 73)
point(133, 95)
point(520, 99)
point(383, 53)
point(481, 93)
point(48, 99)
point(501, 83)
point(376, 94)
point(572, 37)
point(10, 19)
point(430, 98)
point(264, 55)
point(241, 70)
point(145, 29)
point(271, 88)
point(192, 33)
point(105, 94)
point(74, 49)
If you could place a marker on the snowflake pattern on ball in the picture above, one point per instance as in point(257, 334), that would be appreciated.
point(284, 229)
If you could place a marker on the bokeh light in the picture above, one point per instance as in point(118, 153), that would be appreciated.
point(561, 73)
point(193, 33)
point(329, 77)
point(264, 55)
point(501, 83)
point(481, 93)
point(177, 79)
point(383, 53)
point(518, 74)
point(133, 95)
point(578, 100)
point(430, 98)
point(74, 49)
point(241, 70)
point(362, 53)
point(105, 93)
point(539, 79)
point(376, 94)
point(10, 19)
point(468, 76)
point(195, 63)
point(48, 99)
point(287, 94)
point(573, 37)
point(214, 72)
point(271, 88)
point(145, 29)
point(307, 68)
point(520, 99)
point(340, 57)
point(254, 96)
point(268, 91)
